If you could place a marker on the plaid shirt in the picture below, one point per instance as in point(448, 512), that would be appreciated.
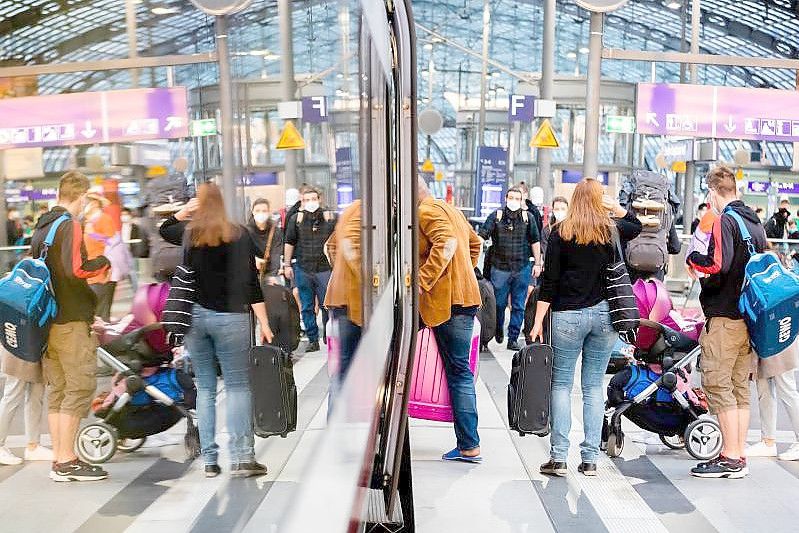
point(309, 237)
point(511, 239)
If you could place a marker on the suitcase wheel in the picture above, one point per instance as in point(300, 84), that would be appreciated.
point(284, 435)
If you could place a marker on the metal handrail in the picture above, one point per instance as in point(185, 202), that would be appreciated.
point(26, 248)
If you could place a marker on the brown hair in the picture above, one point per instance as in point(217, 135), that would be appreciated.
point(722, 180)
point(72, 186)
point(587, 221)
point(560, 199)
point(210, 225)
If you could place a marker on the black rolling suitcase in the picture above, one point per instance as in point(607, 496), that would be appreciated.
point(488, 312)
point(529, 390)
point(283, 315)
point(274, 394)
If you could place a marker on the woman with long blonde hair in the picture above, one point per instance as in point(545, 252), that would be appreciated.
point(578, 252)
point(222, 255)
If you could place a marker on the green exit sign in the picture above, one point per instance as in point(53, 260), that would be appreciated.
point(203, 128)
point(620, 124)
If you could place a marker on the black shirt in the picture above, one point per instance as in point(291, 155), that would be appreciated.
point(260, 239)
point(227, 280)
point(511, 239)
point(574, 274)
point(308, 236)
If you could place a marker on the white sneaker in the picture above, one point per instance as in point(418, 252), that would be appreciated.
point(791, 454)
point(39, 453)
point(761, 449)
point(8, 458)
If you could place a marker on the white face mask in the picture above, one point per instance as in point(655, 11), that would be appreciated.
point(260, 218)
point(514, 205)
point(125, 219)
point(311, 207)
point(559, 215)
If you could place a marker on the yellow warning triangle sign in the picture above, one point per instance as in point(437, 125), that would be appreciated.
point(290, 139)
point(427, 166)
point(545, 136)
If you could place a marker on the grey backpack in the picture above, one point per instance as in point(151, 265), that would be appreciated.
point(647, 194)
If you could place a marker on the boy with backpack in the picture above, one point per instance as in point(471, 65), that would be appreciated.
point(69, 362)
point(726, 353)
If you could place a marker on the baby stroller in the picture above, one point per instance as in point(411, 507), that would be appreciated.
point(148, 395)
point(655, 393)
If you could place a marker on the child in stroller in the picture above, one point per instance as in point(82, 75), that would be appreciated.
point(655, 393)
point(148, 396)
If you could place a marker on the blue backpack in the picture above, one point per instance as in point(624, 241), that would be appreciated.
point(165, 380)
point(27, 303)
point(769, 299)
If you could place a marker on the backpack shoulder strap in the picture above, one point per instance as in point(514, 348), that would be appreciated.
point(50, 237)
point(745, 235)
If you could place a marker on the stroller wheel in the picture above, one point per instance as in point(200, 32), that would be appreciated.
point(703, 439)
point(96, 443)
point(615, 444)
point(130, 445)
point(675, 442)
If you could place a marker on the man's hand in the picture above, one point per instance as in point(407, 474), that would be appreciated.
point(288, 272)
point(266, 333)
point(691, 272)
point(537, 271)
point(612, 205)
point(188, 210)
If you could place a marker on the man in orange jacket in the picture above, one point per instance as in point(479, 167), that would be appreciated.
point(449, 301)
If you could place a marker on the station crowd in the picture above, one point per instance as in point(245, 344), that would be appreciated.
point(548, 261)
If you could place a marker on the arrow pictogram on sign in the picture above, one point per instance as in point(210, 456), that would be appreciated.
point(88, 131)
point(652, 118)
point(172, 123)
point(730, 126)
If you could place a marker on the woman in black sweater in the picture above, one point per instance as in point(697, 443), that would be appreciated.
point(578, 253)
point(222, 255)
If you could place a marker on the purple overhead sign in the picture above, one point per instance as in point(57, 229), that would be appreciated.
point(95, 117)
point(718, 112)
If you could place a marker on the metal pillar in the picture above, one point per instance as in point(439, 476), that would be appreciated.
point(690, 167)
point(226, 117)
point(289, 84)
point(545, 179)
point(481, 128)
point(592, 102)
point(133, 45)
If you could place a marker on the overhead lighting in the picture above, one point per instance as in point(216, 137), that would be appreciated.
point(428, 46)
point(584, 50)
point(164, 10)
point(496, 74)
point(266, 54)
point(674, 5)
point(571, 55)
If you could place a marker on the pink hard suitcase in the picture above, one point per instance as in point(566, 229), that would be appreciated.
point(429, 396)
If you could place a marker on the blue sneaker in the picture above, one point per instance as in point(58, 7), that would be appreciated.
point(455, 455)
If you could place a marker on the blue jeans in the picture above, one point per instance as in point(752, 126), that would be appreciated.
point(588, 331)
point(515, 283)
point(349, 335)
point(312, 286)
point(454, 339)
point(223, 337)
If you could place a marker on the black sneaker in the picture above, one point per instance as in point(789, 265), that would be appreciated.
point(554, 468)
point(249, 469)
point(514, 346)
point(500, 338)
point(312, 347)
point(721, 467)
point(587, 469)
point(212, 470)
point(77, 470)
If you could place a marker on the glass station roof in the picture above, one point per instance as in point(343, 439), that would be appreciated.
point(47, 31)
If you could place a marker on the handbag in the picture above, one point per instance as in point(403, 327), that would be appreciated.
point(176, 316)
point(624, 313)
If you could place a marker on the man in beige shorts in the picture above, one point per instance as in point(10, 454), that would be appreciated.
point(70, 361)
point(726, 356)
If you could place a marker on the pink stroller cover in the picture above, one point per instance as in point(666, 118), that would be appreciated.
point(148, 304)
point(654, 303)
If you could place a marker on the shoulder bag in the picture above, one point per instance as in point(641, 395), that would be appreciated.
point(619, 292)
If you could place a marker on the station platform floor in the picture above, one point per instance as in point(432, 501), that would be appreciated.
point(648, 489)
